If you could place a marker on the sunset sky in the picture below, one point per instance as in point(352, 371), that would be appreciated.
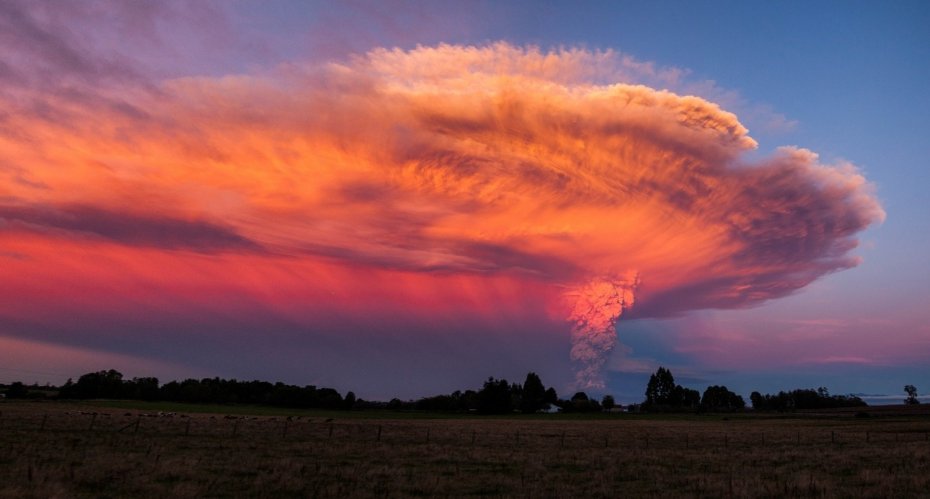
point(402, 199)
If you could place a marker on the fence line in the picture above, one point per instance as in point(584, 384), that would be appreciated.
point(311, 430)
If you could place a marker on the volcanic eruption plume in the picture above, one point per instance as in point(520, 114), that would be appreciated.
point(440, 180)
point(598, 305)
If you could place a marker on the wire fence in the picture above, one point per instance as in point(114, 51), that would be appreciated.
point(541, 435)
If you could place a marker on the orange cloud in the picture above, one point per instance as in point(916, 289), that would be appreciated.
point(489, 162)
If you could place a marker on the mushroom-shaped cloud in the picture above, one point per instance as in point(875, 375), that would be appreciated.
point(500, 159)
point(510, 159)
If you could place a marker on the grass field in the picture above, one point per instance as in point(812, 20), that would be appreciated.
point(126, 449)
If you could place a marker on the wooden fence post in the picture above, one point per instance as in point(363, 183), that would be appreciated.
point(44, 420)
point(330, 430)
point(379, 433)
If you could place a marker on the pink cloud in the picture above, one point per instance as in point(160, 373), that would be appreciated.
point(440, 180)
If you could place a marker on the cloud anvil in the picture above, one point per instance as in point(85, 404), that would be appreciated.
point(492, 164)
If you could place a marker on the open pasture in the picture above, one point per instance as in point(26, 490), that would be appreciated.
point(72, 450)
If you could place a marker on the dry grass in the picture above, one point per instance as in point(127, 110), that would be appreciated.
point(53, 450)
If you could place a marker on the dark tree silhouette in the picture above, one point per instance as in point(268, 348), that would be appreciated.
point(662, 394)
point(98, 385)
point(803, 399)
point(533, 397)
point(580, 398)
point(608, 402)
point(495, 397)
point(719, 398)
point(17, 390)
point(911, 392)
point(686, 398)
point(580, 402)
point(349, 401)
point(661, 388)
point(140, 389)
point(551, 396)
point(110, 384)
point(758, 401)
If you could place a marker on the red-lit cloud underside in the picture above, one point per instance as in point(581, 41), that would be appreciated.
point(444, 180)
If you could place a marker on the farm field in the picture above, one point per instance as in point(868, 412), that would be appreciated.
point(114, 449)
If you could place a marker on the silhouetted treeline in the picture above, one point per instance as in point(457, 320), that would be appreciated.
point(497, 396)
point(110, 384)
point(580, 403)
point(20, 390)
point(17, 390)
point(803, 399)
point(719, 398)
point(662, 394)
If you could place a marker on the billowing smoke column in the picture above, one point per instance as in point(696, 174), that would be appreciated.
point(597, 306)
